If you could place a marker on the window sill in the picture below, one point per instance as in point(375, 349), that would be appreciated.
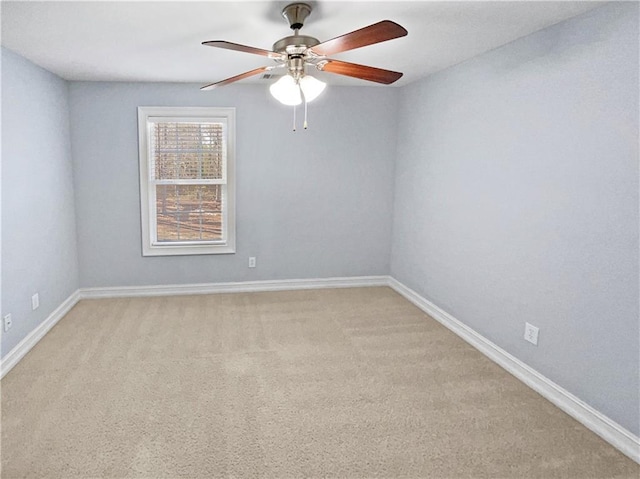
point(182, 250)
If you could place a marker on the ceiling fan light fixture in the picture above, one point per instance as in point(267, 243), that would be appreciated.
point(290, 92)
point(286, 91)
point(311, 87)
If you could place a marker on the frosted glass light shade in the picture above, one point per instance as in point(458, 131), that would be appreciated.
point(311, 87)
point(286, 91)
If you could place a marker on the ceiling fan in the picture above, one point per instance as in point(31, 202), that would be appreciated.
point(296, 52)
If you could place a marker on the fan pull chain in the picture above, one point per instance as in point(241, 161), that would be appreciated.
point(294, 118)
point(305, 114)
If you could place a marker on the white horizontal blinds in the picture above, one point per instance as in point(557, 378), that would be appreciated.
point(188, 151)
point(188, 174)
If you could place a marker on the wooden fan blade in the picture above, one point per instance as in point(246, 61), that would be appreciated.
point(360, 71)
point(241, 48)
point(235, 78)
point(376, 33)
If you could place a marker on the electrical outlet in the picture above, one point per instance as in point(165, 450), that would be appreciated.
point(35, 301)
point(7, 322)
point(531, 333)
point(252, 261)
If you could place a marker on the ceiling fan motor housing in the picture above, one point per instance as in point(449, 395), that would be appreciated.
point(295, 44)
point(296, 13)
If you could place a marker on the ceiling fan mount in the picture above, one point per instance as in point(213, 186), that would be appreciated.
point(296, 14)
point(296, 51)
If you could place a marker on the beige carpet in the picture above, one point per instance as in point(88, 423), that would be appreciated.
point(347, 383)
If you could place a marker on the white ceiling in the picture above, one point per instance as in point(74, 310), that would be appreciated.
point(161, 41)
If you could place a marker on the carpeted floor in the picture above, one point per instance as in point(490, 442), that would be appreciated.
point(348, 383)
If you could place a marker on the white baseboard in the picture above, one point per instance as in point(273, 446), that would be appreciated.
point(23, 347)
point(616, 435)
point(239, 287)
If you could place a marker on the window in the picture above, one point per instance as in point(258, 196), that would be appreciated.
point(187, 180)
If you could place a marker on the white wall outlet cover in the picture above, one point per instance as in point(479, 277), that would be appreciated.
point(7, 322)
point(35, 301)
point(531, 333)
point(252, 262)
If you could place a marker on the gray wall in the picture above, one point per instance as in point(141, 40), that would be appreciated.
point(38, 221)
point(516, 199)
point(310, 204)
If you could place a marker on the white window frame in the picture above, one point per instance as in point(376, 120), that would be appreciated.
point(150, 246)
